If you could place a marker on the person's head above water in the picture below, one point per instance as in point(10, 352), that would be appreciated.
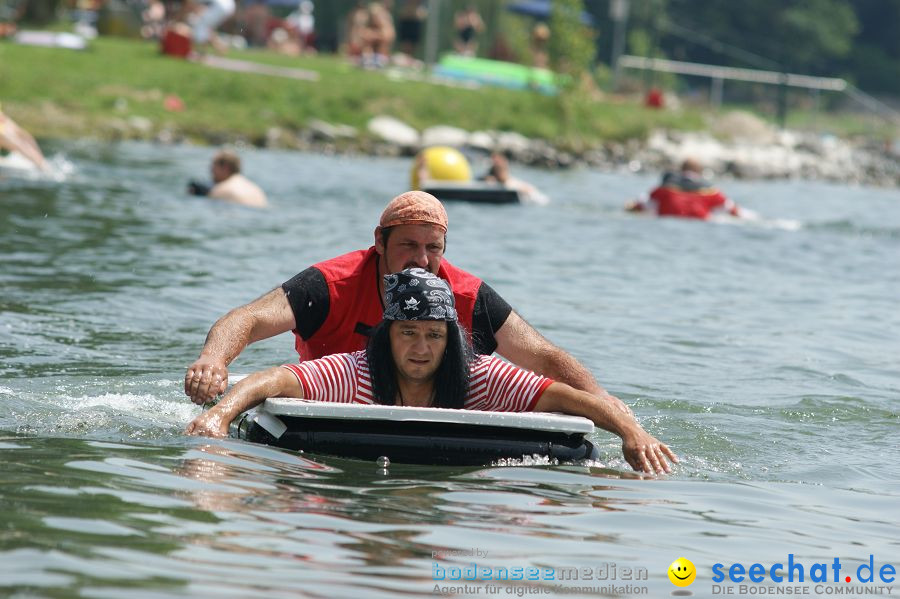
point(224, 164)
point(411, 233)
point(419, 344)
point(692, 165)
point(499, 167)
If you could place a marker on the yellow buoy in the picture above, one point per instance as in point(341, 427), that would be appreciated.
point(441, 163)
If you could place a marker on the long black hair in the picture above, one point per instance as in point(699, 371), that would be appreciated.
point(451, 380)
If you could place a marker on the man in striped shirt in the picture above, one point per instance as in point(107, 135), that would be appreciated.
point(419, 356)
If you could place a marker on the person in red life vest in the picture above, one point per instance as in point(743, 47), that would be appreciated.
point(686, 194)
point(419, 356)
point(333, 306)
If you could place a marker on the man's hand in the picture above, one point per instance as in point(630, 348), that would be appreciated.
point(645, 453)
point(209, 423)
point(262, 318)
point(248, 393)
point(205, 379)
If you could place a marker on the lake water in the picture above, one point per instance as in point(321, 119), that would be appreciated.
point(765, 354)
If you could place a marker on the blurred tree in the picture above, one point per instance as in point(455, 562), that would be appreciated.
point(571, 47)
point(855, 39)
point(41, 12)
point(874, 61)
point(803, 35)
point(571, 43)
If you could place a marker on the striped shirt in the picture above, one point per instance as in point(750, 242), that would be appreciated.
point(494, 384)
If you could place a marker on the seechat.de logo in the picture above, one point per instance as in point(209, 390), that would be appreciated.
point(799, 571)
point(682, 572)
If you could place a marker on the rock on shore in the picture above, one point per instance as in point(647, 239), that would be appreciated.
point(738, 144)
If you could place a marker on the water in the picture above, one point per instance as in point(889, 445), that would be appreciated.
point(766, 354)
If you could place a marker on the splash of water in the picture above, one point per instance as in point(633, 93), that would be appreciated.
point(16, 166)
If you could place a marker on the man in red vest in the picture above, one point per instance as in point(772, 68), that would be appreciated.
point(332, 306)
point(686, 194)
point(419, 356)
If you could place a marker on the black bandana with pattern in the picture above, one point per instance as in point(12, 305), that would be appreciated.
point(416, 294)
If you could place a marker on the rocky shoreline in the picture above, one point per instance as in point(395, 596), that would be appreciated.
point(738, 145)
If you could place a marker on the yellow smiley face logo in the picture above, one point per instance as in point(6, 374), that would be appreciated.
point(682, 572)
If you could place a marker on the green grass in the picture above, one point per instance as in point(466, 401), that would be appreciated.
point(63, 94)
point(858, 125)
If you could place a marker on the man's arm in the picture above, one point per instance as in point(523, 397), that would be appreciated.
point(521, 344)
point(639, 204)
point(250, 392)
point(262, 318)
point(642, 451)
point(16, 139)
point(733, 209)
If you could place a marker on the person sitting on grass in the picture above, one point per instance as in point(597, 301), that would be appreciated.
point(379, 37)
point(468, 25)
point(419, 356)
point(205, 17)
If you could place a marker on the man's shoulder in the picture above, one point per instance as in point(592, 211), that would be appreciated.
point(483, 360)
point(238, 188)
point(347, 266)
point(360, 359)
point(485, 368)
point(355, 360)
point(246, 181)
point(685, 182)
point(462, 281)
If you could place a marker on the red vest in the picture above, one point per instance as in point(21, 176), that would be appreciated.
point(671, 201)
point(354, 300)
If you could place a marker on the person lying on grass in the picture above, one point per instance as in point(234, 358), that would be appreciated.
point(419, 356)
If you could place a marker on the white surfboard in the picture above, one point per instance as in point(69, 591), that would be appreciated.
point(415, 435)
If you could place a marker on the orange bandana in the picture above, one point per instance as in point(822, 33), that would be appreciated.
point(414, 208)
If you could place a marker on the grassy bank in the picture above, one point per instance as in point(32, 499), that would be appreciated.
point(98, 92)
